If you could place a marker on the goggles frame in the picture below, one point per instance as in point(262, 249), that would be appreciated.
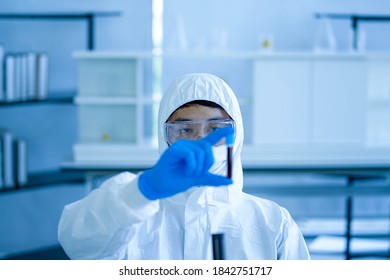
point(218, 123)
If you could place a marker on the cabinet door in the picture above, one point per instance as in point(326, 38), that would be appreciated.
point(104, 124)
point(113, 77)
point(281, 101)
point(338, 109)
point(378, 115)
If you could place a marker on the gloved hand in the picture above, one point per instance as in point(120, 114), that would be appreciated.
point(183, 165)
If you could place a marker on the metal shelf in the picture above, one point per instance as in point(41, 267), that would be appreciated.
point(89, 17)
point(63, 99)
point(47, 178)
point(355, 19)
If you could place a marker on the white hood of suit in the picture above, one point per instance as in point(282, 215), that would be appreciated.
point(200, 86)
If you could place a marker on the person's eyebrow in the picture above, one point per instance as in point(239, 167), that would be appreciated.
point(182, 120)
point(217, 119)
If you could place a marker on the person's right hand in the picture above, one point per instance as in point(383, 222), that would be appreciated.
point(183, 165)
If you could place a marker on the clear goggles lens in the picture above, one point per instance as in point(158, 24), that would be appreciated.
point(193, 130)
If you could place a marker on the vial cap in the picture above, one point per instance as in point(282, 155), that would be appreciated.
point(230, 139)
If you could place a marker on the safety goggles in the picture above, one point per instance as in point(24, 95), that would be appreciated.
point(193, 130)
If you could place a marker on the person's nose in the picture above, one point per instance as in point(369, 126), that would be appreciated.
point(200, 132)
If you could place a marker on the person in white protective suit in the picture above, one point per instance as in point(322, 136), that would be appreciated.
point(171, 210)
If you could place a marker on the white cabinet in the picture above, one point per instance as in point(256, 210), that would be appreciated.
point(338, 100)
point(111, 106)
point(281, 100)
point(303, 99)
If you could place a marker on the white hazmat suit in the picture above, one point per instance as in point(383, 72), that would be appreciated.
point(116, 221)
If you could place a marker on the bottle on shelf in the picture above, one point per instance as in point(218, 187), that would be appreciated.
point(13, 161)
point(25, 76)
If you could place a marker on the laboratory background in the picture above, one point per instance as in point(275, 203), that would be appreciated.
point(81, 82)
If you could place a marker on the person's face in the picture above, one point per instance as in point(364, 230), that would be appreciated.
point(197, 122)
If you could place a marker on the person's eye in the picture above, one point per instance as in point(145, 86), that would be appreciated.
point(212, 128)
point(185, 131)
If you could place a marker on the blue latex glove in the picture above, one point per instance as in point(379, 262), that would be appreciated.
point(183, 165)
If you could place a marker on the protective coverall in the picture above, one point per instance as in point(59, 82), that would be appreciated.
point(116, 221)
